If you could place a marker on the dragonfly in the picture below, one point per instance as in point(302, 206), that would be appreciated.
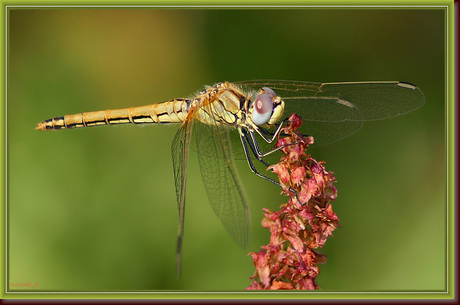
point(233, 120)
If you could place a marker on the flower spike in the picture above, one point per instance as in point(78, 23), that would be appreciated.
point(290, 260)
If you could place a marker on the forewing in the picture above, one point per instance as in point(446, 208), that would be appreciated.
point(332, 111)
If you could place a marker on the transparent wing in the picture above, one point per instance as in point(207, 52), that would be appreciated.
point(180, 151)
point(221, 180)
point(333, 111)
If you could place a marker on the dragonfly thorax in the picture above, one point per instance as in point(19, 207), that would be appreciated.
point(222, 104)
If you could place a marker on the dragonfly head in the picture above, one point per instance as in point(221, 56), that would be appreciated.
point(267, 107)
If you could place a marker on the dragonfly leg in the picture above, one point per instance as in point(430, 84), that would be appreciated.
point(253, 149)
point(268, 136)
point(244, 142)
point(248, 158)
point(257, 151)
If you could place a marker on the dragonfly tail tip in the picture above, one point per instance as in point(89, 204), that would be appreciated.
point(40, 126)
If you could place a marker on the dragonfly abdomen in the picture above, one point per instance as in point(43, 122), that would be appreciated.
point(174, 111)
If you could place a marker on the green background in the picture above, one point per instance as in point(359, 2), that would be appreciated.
point(94, 209)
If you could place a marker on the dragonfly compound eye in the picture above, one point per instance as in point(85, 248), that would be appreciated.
point(263, 108)
point(269, 91)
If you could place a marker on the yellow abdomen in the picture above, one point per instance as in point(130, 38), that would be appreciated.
point(174, 111)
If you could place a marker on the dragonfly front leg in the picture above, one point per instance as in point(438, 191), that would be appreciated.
point(264, 135)
point(244, 139)
point(257, 151)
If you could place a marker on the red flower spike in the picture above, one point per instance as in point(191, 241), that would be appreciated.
point(290, 260)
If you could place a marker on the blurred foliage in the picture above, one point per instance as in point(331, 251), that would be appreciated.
point(94, 209)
